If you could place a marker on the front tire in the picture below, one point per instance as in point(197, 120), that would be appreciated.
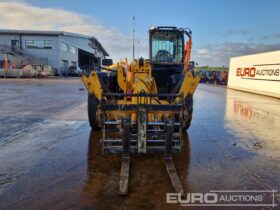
point(187, 112)
point(92, 111)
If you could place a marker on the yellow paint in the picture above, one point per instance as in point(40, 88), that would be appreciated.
point(137, 79)
point(189, 84)
point(120, 76)
point(93, 84)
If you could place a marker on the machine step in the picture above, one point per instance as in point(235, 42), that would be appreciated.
point(134, 140)
point(119, 122)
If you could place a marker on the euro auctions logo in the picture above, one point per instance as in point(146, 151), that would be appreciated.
point(269, 72)
point(248, 198)
point(246, 72)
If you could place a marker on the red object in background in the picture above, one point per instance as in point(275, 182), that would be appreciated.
point(6, 64)
point(129, 91)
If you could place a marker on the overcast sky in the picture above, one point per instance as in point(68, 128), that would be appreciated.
point(221, 28)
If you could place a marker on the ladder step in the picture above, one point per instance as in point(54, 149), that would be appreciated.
point(117, 140)
point(162, 123)
point(156, 123)
point(176, 135)
point(155, 130)
point(148, 140)
point(119, 122)
point(160, 141)
point(120, 147)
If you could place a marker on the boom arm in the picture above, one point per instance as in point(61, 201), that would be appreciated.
point(188, 47)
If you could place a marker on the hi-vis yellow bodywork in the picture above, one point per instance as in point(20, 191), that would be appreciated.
point(146, 105)
point(136, 79)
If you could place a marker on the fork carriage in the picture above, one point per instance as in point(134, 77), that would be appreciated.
point(147, 122)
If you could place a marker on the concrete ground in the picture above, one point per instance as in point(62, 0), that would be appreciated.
point(50, 158)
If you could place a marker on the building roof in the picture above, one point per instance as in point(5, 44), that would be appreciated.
point(53, 33)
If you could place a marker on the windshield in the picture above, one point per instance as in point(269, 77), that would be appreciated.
point(167, 46)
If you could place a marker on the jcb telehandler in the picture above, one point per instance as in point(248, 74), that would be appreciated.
point(145, 106)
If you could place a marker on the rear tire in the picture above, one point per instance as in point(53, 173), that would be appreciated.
point(188, 108)
point(92, 111)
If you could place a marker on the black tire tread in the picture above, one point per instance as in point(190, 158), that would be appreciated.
point(188, 108)
point(92, 109)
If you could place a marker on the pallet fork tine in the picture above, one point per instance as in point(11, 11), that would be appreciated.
point(124, 176)
point(170, 167)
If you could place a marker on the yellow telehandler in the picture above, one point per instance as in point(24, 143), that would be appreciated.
point(144, 106)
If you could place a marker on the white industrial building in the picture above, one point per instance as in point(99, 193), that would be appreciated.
point(58, 49)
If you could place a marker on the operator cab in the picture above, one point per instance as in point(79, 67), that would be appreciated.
point(167, 45)
point(167, 56)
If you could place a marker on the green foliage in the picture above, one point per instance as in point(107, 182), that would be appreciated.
point(207, 68)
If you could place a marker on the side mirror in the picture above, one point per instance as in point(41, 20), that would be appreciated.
point(107, 62)
point(192, 65)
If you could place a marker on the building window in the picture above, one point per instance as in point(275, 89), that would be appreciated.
point(48, 44)
point(68, 48)
point(65, 63)
point(72, 50)
point(38, 44)
point(63, 46)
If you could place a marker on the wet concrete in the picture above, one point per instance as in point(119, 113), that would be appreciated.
point(56, 163)
point(26, 102)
